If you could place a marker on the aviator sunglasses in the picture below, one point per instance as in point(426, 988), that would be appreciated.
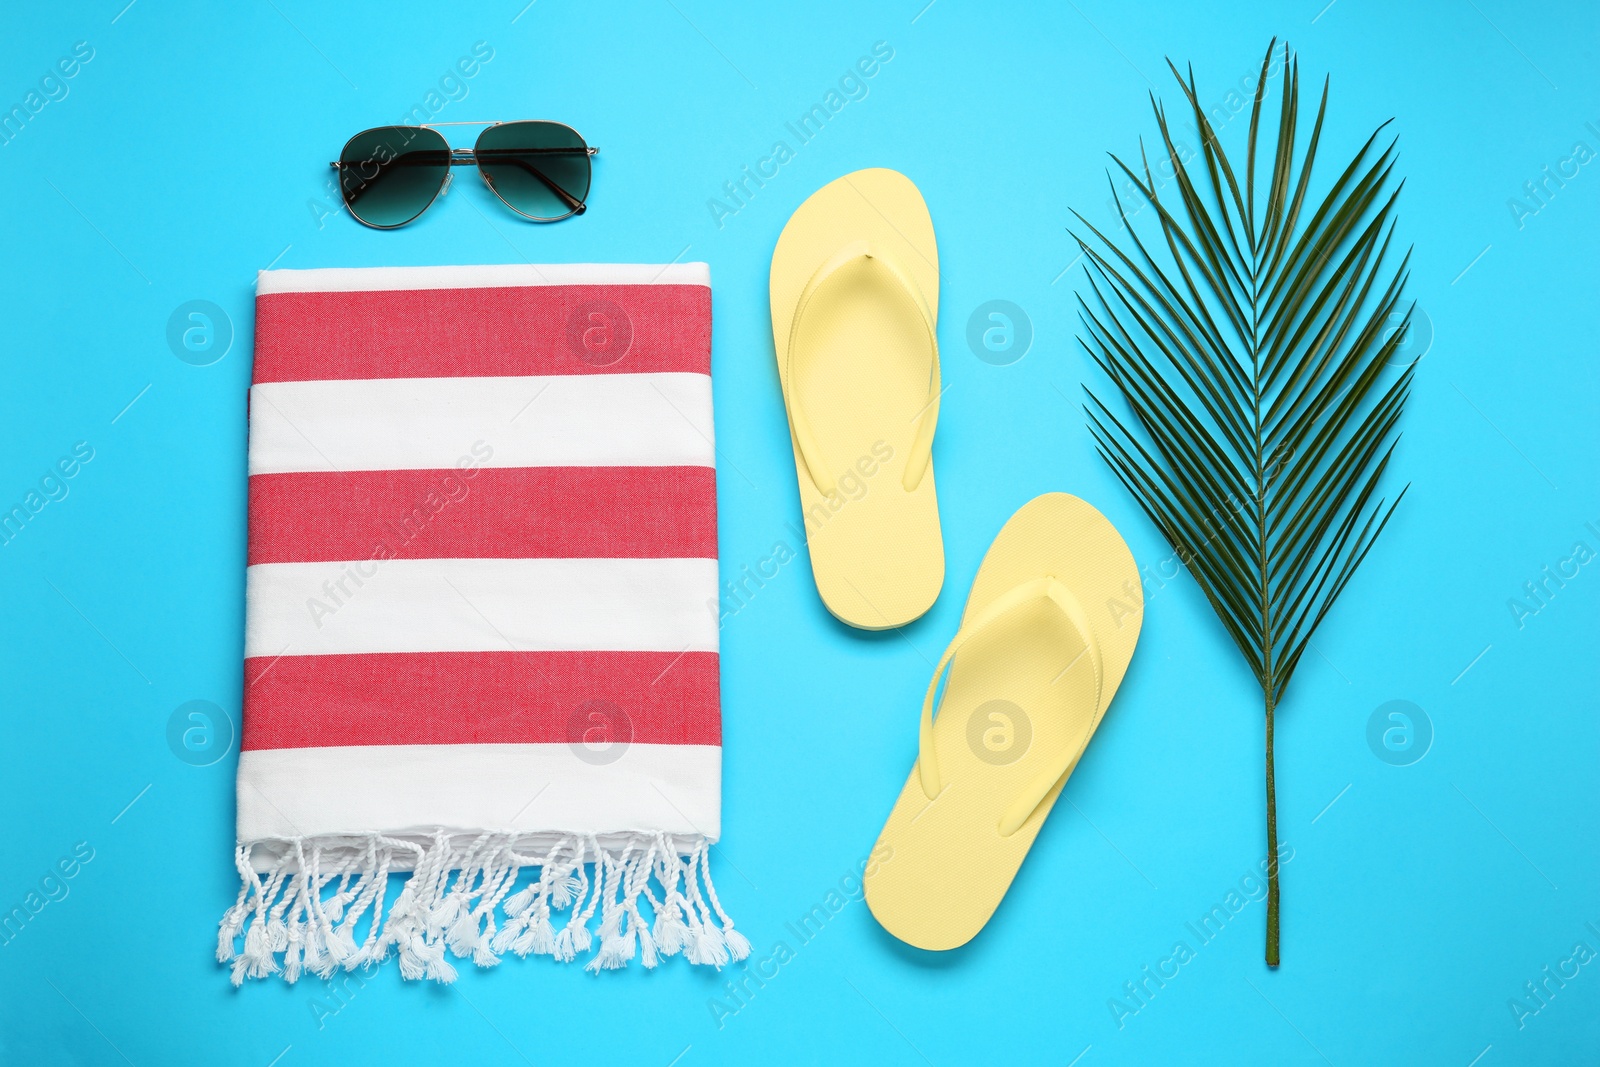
point(390, 175)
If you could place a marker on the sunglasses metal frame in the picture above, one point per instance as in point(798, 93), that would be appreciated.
point(462, 157)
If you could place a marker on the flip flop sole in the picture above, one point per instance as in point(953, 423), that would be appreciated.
point(1012, 705)
point(877, 552)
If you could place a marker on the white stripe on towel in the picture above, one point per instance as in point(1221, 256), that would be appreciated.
point(367, 279)
point(584, 420)
point(309, 792)
point(481, 605)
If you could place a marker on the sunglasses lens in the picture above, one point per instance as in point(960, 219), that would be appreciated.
point(389, 176)
point(540, 169)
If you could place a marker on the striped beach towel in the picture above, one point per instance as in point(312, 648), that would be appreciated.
point(481, 622)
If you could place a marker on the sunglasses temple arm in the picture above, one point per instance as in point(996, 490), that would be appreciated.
point(573, 204)
point(469, 158)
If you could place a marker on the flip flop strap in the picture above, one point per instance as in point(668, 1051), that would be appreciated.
point(927, 418)
point(1026, 592)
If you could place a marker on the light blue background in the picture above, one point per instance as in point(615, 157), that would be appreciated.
point(191, 151)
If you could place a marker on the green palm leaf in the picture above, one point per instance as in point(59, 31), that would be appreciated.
point(1252, 351)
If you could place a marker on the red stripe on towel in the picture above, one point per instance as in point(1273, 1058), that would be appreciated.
point(463, 698)
point(485, 513)
point(489, 332)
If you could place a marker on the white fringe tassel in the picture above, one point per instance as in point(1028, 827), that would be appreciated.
point(300, 911)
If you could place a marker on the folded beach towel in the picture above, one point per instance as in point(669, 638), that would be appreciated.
point(481, 623)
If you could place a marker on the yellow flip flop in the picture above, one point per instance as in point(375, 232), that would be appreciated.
point(1045, 640)
point(855, 302)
